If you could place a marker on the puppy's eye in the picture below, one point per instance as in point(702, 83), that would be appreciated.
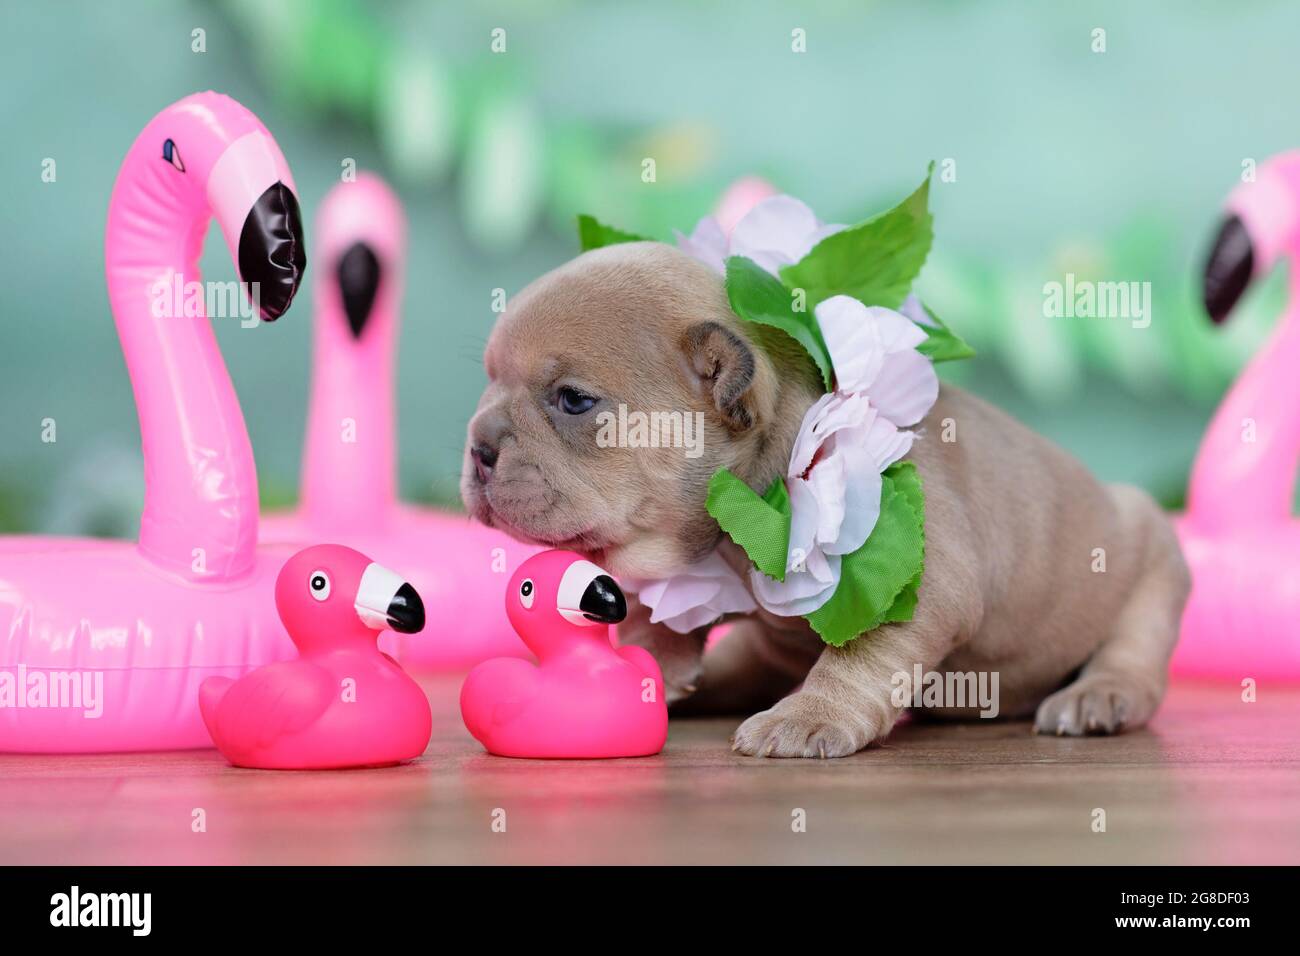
point(318, 584)
point(526, 592)
point(574, 402)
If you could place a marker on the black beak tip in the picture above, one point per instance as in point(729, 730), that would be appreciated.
point(358, 274)
point(1228, 269)
point(272, 252)
point(406, 611)
point(603, 601)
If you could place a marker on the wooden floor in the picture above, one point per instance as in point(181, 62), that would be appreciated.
point(1214, 780)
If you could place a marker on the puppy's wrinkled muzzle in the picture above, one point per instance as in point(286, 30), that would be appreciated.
point(484, 459)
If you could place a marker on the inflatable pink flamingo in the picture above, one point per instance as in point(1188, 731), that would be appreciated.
point(349, 485)
point(103, 645)
point(1243, 545)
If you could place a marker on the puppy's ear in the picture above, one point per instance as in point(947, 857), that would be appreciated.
point(726, 368)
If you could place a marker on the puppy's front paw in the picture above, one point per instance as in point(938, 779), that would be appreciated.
point(1097, 704)
point(803, 725)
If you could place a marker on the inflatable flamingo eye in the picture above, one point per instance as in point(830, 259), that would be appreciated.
point(526, 593)
point(319, 585)
point(173, 155)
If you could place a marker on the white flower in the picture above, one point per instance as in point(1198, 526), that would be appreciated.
point(834, 482)
point(697, 596)
point(873, 350)
point(708, 243)
point(883, 385)
point(914, 310)
point(777, 232)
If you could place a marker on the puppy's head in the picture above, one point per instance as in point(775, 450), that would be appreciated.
point(617, 385)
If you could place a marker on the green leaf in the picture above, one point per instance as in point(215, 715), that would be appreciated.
point(777, 496)
point(875, 261)
point(595, 235)
point(904, 475)
point(879, 581)
point(760, 525)
point(758, 296)
point(942, 344)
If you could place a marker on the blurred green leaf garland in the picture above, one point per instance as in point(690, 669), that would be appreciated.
point(431, 116)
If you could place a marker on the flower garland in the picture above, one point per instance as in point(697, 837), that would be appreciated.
point(840, 538)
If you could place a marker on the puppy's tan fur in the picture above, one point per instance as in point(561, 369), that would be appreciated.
point(1015, 528)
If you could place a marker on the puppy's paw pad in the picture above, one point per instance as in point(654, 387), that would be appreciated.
point(1094, 705)
point(802, 726)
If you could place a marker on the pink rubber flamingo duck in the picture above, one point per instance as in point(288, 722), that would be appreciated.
point(584, 697)
point(349, 485)
point(137, 625)
point(1243, 545)
point(342, 703)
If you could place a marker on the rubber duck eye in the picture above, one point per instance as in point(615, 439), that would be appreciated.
point(574, 402)
point(318, 583)
point(526, 593)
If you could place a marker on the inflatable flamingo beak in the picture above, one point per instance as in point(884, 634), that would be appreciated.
point(384, 600)
point(272, 253)
point(358, 275)
point(588, 595)
point(1261, 226)
point(250, 192)
point(1228, 269)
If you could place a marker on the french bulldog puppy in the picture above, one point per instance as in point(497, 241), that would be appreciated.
point(1070, 590)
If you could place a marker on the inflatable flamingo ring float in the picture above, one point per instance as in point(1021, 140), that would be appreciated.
point(584, 697)
point(342, 703)
point(349, 486)
point(103, 645)
point(1239, 535)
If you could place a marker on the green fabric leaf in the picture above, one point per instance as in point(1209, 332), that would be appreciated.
point(760, 525)
point(595, 235)
point(879, 581)
point(942, 344)
point(758, 296)
point(903, 473)
point(875, 261)
point(778, 497)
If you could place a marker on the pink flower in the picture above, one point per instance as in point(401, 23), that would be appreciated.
point(873, 350)
point(697, 596)
point(834, 485)
point(778, 231)
point(883, 385)
point(847, 439)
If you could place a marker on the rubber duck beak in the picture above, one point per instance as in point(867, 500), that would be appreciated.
point(1228, 269)
point(603, 601)
point(385, 601)
point(588, 595)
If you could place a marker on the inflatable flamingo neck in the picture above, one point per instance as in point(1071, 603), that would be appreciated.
point(1244, 473)
point(201, 157)
point(1245, 469)
point(349, 462)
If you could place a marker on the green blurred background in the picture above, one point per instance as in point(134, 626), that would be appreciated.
point(1110, 165)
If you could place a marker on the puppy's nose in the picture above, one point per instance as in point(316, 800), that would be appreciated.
point(485, 457)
